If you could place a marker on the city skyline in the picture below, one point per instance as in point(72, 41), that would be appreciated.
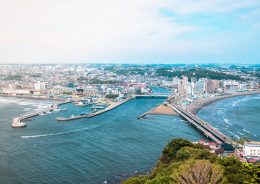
point(138, 32)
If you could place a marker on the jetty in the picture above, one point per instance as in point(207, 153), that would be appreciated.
point(18, 122)
point(112, 106)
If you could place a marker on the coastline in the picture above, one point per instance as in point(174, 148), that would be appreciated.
point(33, 98)
point(198, 104)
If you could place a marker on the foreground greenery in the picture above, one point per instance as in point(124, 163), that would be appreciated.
point(185, 163)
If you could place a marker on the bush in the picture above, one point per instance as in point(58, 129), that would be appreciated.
point(171, 149)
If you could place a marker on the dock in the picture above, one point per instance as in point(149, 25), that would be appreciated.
point(109, 108)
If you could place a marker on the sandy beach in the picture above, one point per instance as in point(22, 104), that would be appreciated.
point(163, 110)
point(198, 104)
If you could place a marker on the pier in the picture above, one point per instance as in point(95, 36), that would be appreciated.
point(204, 127)
point(18, 121)
point(112, 106)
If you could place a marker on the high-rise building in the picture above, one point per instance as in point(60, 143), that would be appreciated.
point(212, 86)
point(183, 85)
point(201, 86)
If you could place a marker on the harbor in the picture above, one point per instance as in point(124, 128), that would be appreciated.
point(18, 122)
point(110, 107)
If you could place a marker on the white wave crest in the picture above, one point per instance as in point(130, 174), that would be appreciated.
point(227, 121)
point(247, 131)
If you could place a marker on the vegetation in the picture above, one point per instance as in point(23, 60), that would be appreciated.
point(199, 73)
point(182, 162)
point(13, 77)
point(112, 96)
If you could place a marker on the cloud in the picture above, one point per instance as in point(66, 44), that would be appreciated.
point(84, 31)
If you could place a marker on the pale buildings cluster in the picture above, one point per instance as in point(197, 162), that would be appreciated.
point(196, 87)
point(251, 149)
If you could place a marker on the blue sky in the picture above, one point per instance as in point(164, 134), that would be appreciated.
point(136, 31)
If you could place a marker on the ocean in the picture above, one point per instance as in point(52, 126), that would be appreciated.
point(109, 147)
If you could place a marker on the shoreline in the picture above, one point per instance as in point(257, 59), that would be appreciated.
point(199, 104)
point(33, 98)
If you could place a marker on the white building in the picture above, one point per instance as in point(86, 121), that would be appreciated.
point(39, 86)
point(251, 149)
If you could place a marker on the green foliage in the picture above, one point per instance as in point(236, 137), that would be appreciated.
point(199, 171)
point(13, 77)
point(186, 153)
point(171, 149)
point(136, 180)
point(199, 73)
point(67, 93)
point(111, 96)
point(183, 162)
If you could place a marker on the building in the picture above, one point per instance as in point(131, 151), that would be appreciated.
point(213, 86)
point(251, 149)
point(39, 86)
point(183, 85)
point(201, 86)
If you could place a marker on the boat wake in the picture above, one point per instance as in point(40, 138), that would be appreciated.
point(59, 133)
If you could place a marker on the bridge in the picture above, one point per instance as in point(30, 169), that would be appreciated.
point(208, 130)
point(153, 95)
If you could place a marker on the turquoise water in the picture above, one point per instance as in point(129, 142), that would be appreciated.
point(236, 117)
point(108, 147)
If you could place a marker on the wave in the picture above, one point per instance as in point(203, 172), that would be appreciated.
point(247, 131)
point(25, 102)
point(59, 133)
point(240, 133)
point(227, 121)
point(236, 136)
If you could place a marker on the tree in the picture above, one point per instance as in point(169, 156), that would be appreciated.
point(171, 149)
point(199, 172)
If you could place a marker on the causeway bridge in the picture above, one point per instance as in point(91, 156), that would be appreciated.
point(153, 95)
point(208, 130)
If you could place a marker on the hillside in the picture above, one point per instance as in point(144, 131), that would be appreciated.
point(182, 162)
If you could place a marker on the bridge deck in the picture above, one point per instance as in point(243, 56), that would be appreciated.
point(197, 125)
point(203, 126)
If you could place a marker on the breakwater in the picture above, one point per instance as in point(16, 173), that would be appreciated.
point(18, 121)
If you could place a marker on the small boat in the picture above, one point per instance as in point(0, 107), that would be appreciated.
point(64, 109)
point(83, 113)
point(42, 113)
point(101, 106)
point(81, 103)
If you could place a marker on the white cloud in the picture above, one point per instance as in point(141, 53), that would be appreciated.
point(86, 30)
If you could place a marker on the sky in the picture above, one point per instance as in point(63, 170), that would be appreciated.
point(132, 31)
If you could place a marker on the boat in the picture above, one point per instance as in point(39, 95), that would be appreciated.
point(82, 103)
point(42, 113)
point(100, 106)
point(83, 113)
